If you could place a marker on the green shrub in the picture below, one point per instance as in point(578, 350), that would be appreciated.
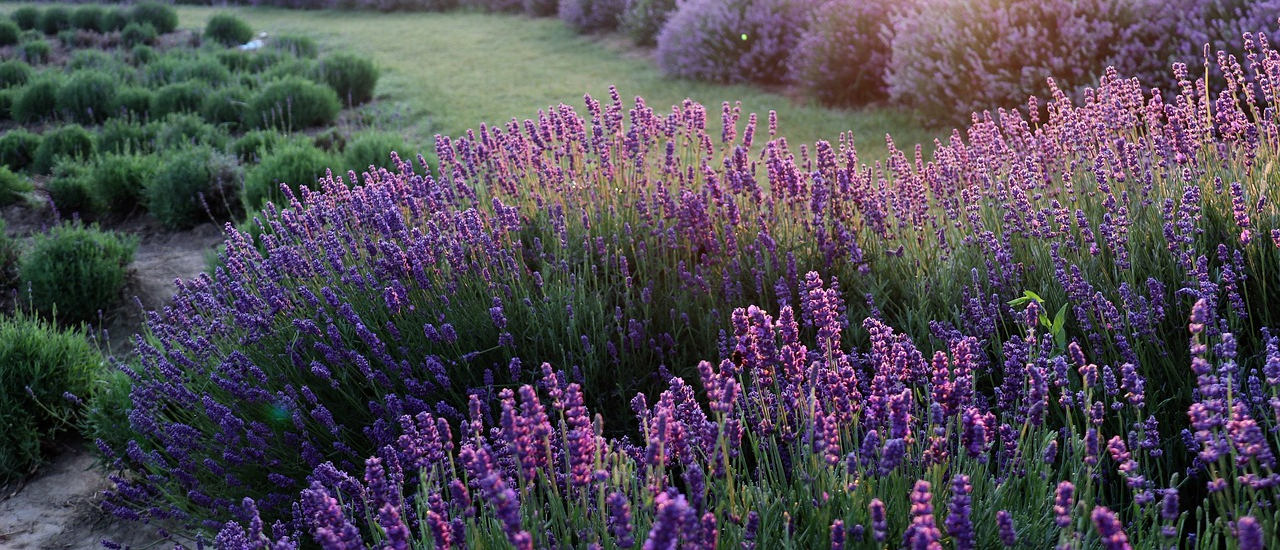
point(9, 255)
point(296, 163)
point(142, 54)
point(76, 270)
point(71, 141)
point(235, 60)
point(37, 100)
point(12, 187)
point(14, 72)
point(88, 17)
point(35, 52)
point(181, 97)
point(136, 33)
point(126, 135)
point(114, 19)
point(192, 185)
point(91, 59)
point(643, 19)
point(67, 38)
point(162, 17)
point(295, 45)
point(285, 67)
point(332, 140)
point(133, 100)
point(373, 148)
point(42, 364)
point(182, 67)
point(88, 96)
point(177, 131)
point(10, 34)
point(26, 17)
point(292, 103)
point(106, 415)
point(256, 144)
point(6, 104)
point(18, 148)
point(227, 29)
point(353, 77)
point(55, 19)
point(69, 188)
point(226, 107)
point(116, 180)
point(206, 68)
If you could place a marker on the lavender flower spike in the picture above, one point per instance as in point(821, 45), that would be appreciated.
point(1113, 537)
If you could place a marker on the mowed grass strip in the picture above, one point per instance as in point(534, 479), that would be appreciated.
point(452, 71)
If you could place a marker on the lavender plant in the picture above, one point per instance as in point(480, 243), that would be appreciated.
point(730, 40)
point(996, 332)
point(843, 55)
point(951, 58)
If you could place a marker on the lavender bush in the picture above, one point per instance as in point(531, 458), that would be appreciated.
point(842, 57)
point(1054, 332)
point(955, 57)
point(730, 40)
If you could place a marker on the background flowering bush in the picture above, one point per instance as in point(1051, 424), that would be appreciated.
point(1054, 330)
point(730, 40)
point(952, 57)
point(842, 57)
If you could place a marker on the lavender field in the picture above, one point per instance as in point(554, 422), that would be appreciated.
point(618, 324)
point(1055, 332)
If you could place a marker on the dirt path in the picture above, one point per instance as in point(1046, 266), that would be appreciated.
point(57, 507)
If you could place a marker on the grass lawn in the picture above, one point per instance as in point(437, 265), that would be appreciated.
point(455, 70)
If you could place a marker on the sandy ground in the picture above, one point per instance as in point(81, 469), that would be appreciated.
point(57, 506)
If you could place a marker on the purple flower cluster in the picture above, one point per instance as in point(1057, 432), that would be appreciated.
point(395, 319)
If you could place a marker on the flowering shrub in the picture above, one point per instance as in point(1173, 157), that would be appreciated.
point(842, 57)
point(951, 58)
point(730, 40)
point(587, 16)
point(1052, 333)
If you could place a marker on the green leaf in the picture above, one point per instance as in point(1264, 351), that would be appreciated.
point(1059, 319)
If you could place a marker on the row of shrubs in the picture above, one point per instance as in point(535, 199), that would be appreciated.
point(46, 369)
point(92, 95)
point(88, 17)
point(921, 54)
point(182, 169)
point(187, 135)
point(87, 25)
point(182, 132)
point(924, 54)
